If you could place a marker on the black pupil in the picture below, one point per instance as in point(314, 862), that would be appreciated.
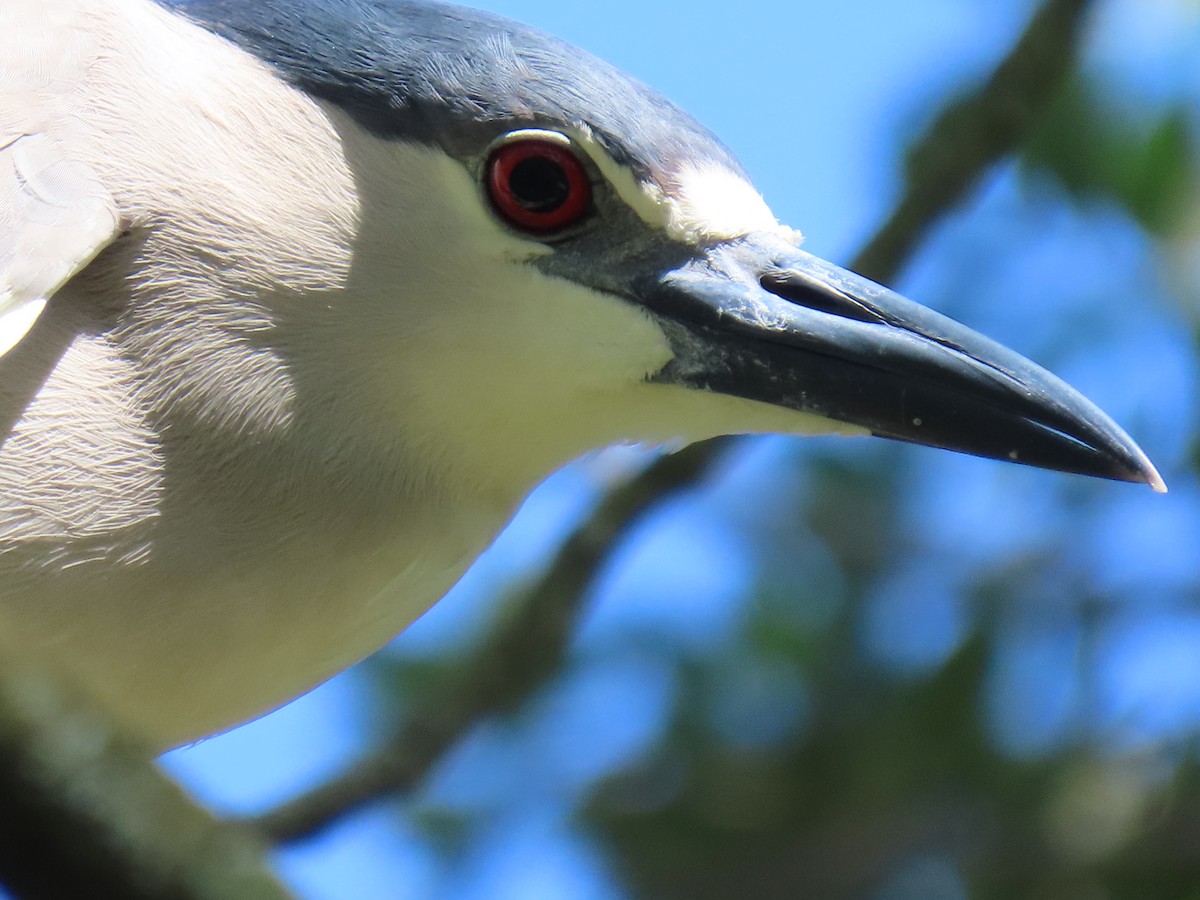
point(539, 184)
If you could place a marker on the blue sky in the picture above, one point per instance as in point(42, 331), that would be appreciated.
point(815, 98)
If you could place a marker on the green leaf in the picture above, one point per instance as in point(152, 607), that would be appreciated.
point(1093, 150)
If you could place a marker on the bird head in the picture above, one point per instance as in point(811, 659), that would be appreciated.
point(557, 258)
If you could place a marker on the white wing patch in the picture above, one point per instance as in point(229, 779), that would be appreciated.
point(702, 203)
point(55, 214)
point(712, 203)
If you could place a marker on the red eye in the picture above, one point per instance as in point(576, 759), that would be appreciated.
point(537, 185)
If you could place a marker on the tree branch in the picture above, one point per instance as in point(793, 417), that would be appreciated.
point(971, 135)
point(87, 814)
point(943, 166)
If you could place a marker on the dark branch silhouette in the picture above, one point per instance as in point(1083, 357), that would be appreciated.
point(86, 813)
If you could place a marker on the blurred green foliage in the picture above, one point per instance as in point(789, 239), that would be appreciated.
point(1146, 163)
point(893, 788)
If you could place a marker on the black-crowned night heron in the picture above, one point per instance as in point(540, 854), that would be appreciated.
point(300, 298)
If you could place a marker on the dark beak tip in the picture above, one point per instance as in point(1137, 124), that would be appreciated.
point(1133, 467)
point(1149, 475)
point(1130, 463)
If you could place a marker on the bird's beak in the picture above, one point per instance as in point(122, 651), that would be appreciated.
point(758, 319)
